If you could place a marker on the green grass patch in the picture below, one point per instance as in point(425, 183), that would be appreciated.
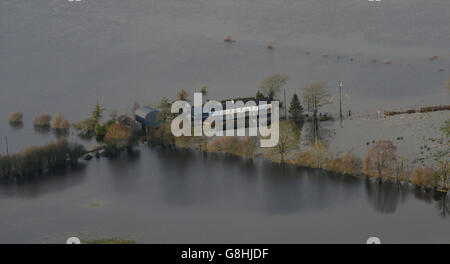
point(95, 205)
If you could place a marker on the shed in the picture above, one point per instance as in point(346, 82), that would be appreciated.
point(147, 116)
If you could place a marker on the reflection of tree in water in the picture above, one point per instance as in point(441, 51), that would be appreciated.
point(441, 200)
point(16, 126)
point(319, 131)
point(423, 194)
point(442, 204)
point(40, 185)
point(385, 196)
point(61, 133)
point(176, 164)
point(289, 189)
point(41, 129)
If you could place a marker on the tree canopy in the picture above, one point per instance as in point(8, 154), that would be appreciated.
point(272, 84)
point(315, 95)
point(380, 158)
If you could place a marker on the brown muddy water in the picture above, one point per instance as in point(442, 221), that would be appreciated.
point(61, 57)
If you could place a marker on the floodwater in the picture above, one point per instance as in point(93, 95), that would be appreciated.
point(61, 57)
point(161, 196)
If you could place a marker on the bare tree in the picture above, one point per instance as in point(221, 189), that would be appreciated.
point(442, 157)
point(380, 158)
point(272, 84)
point(442, 168)
point(446, 128)
point(248, 146)
point(182, 95)
point(288, 141)
point(136, 106)
point(447, 85)
point(315, 96)
point(319, 153)
point(203, 90)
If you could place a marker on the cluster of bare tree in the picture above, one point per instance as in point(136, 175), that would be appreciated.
point(315, 96)
point(381, 161)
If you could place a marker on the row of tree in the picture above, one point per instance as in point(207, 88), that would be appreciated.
point(58, 122)
point(37, 160)
point(381, 160)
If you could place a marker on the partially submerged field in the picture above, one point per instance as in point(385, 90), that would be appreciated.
point(417, 136)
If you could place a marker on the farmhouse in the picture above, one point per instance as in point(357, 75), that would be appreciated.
point(147, 116)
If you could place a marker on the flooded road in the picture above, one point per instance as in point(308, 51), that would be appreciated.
point(61, 57)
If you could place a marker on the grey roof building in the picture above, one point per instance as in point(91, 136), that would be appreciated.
point(147, 116)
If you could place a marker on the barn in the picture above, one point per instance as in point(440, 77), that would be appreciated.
point(147, 116)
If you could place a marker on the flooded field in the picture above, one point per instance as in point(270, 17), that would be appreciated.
point(61, 57)
point(160, 196)
point(417, 136)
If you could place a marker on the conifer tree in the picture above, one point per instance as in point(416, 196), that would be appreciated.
point(97, 113)
point(296, 109)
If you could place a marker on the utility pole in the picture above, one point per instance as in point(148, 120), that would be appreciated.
point(285, 105)
point(7, 151)
point(340, 102)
